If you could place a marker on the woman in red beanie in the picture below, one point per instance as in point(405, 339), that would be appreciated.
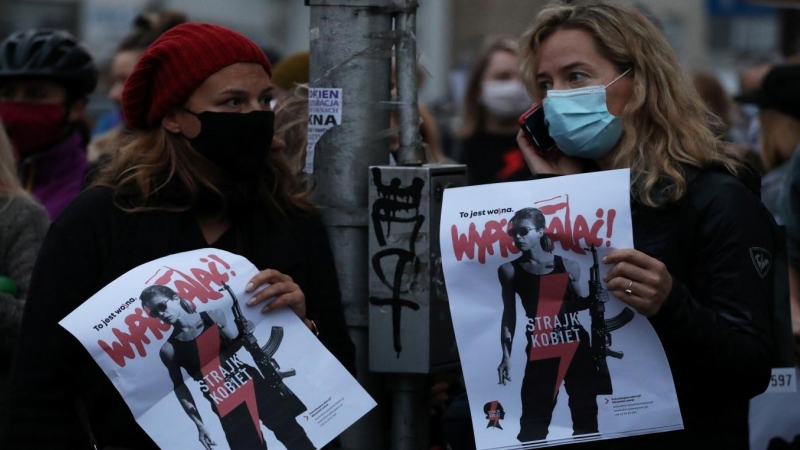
point(200, 171)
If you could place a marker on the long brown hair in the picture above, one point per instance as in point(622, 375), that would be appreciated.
point(155, 160)
point(474, 113)
point(291, 125)
point(666, 124)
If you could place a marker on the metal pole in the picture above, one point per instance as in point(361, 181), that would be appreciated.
point(409, 415)
point(350, 48)
point(411, 151)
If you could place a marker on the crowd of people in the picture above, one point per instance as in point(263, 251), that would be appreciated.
point(206, 144)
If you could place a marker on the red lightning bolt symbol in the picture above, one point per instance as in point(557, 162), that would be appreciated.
point(208, 348)
point(551, 296)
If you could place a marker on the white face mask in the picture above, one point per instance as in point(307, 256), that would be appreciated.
point(505, 100)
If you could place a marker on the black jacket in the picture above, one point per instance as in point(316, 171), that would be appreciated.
point(716, 324)
point(91, 244)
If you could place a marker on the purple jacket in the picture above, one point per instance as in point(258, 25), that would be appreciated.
point(57, 174)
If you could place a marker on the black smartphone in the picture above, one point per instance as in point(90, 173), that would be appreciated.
point(532, 123)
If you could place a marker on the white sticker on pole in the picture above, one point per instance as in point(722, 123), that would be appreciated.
point(324, 112)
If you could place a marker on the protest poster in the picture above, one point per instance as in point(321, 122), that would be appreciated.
point(199, 368)
point(533, 321)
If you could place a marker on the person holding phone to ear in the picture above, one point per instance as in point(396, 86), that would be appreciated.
point(613, 97)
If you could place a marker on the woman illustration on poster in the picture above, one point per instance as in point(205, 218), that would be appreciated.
point(558, 346)
point(205, 345)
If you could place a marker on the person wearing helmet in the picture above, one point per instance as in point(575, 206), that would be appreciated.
point(45, 78)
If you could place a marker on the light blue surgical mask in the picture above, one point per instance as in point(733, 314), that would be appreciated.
point(579, 122)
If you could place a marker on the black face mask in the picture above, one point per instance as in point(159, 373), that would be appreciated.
point(238, 143)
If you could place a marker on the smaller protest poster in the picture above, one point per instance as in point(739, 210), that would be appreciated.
point(198, 368)
point(549, 356)
point(324, 113)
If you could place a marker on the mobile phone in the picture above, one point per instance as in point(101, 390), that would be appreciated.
point(532, 123)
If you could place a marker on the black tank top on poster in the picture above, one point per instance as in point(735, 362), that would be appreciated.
point(544, 290)
point(192, 356)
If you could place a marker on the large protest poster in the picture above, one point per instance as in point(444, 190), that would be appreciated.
point(200, 369)
point(534, 324)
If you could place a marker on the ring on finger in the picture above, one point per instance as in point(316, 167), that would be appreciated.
point(628, 290)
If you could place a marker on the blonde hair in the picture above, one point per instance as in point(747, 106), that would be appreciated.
point(780, 135)
point(107, 143)
point(291, 125)
point(666, 124)
point(474, 113)
point(9, 180)
point(155, 159)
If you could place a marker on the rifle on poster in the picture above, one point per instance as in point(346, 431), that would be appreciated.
point(263, 356)
point(602, 327)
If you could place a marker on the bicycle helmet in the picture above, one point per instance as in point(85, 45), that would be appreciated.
point(50, 54)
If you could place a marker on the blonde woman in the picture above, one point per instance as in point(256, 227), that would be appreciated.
point(701, 271)
point(23, 224)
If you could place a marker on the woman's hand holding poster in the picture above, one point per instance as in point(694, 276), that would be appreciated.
point(200, 369)
point(549, 356)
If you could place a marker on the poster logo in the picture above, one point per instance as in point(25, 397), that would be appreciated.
point(761, 259)
point(495, 413)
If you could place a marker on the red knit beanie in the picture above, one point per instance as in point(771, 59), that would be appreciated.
point(176, 64)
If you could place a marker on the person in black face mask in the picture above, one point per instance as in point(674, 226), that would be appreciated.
point(202, 170)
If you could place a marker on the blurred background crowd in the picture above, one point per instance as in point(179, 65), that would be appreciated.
point(728, 46)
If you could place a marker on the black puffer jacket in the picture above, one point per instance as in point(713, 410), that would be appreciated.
point(718, 243)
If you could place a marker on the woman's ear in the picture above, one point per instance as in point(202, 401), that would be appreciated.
point(170, 122)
